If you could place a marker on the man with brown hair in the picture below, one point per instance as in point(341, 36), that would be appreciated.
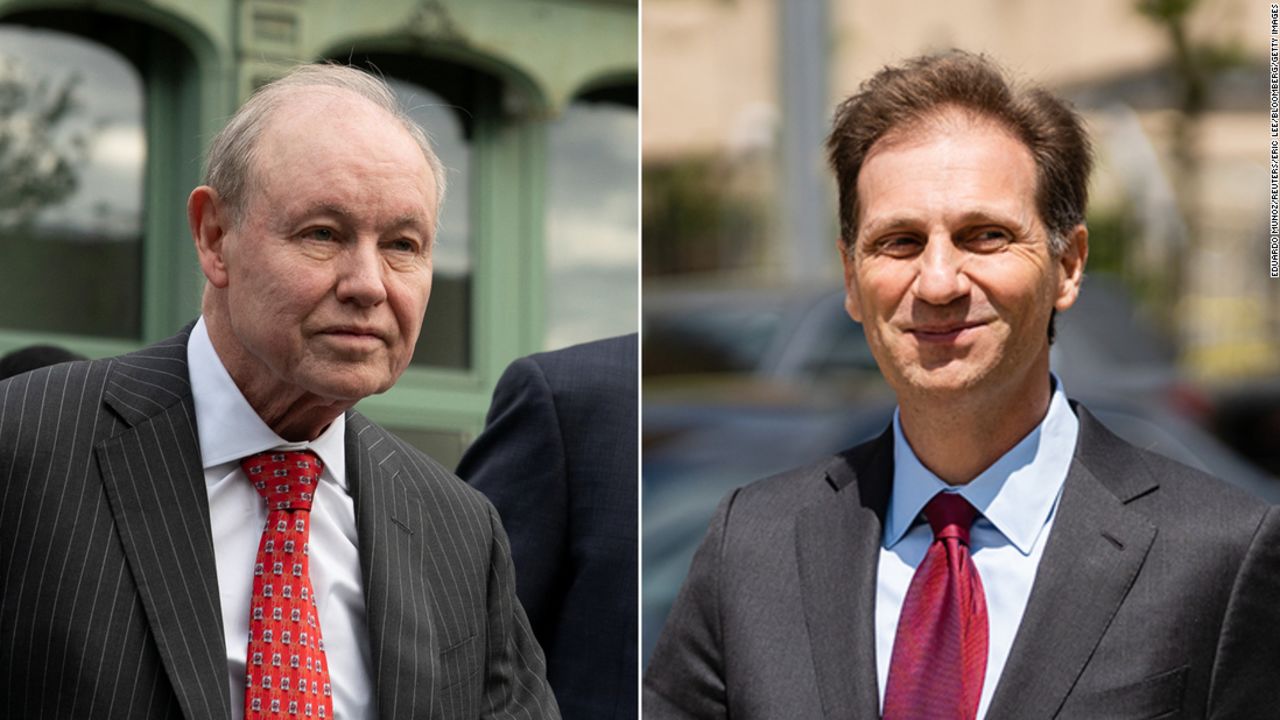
point(996, 552)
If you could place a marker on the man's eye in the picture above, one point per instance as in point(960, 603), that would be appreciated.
point(990, 239)
point(403, 245)
point(320, 233)
point(899, 245)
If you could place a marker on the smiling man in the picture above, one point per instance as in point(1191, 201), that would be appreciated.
point(996, 552)
point(205, 528)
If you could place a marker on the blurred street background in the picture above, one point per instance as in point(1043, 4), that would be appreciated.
point(750, 365)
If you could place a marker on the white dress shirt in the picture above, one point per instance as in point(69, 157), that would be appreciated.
point(1016, 498)
point(229, 430)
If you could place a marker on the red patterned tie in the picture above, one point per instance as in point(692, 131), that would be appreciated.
point(287, 674)
point(940, 651)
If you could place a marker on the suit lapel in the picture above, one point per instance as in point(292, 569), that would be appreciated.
point(1094, 553)
point(838, 552)
point(155, 487)
point(393, 536)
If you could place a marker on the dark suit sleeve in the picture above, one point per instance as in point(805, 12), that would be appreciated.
point(518, 462)
point(1246, 674)
point(685, 677)
point(515, 687)
point(558, 459)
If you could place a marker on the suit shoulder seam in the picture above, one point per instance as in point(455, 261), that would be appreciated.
point(721, 557)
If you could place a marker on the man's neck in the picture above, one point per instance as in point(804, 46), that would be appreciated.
point(303, 419)
point(292, 412)
point(958, 437)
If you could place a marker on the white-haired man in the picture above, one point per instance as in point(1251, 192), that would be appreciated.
point(204, 528)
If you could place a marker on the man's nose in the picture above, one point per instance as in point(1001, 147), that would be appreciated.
point(360, 275)
point(941, 277)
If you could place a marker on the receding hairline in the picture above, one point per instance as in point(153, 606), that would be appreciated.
point(272, 119)
point(232, 155)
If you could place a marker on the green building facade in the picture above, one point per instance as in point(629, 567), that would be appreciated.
point(106, 108)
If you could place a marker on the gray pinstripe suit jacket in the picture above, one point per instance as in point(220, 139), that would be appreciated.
point(108, 588)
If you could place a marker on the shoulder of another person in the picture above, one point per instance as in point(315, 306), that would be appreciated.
point(588, 360)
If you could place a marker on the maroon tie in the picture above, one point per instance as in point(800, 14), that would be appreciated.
point(940, 652)
point(287, 676)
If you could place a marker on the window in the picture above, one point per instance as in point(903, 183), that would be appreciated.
point(592, 219)
point(72, 160)
point(446, 330)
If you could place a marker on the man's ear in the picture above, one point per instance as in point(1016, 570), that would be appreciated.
point(208, 220)
point(1071, 266)
point(851, 303)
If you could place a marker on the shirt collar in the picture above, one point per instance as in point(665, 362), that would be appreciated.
point(227, 425)
point(1016, 494)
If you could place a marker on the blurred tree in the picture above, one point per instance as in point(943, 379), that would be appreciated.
point(37, 167)
point(694, 218)
point(1171, 15)
point(1194, 65)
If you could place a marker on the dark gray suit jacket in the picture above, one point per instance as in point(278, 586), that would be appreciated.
point(558, 458)
point(1158, 596)
point(108, 589)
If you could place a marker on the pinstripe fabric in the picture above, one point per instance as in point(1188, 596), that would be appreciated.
point(109, 603)
point(440, 590)
point(90, 626)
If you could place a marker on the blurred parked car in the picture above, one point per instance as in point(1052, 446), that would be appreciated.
point(742, 384)
point(1246, 416)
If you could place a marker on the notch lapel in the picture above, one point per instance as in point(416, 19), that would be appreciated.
point(838, 553)
point(1095, 550)
point(156, 491)
point(393, 535)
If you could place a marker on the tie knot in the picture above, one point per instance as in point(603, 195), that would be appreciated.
point(950, 516)
point(286, 479)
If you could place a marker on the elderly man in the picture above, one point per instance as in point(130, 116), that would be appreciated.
point(996, 552)
point(204, 528)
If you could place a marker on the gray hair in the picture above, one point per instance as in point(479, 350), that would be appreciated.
point(229, 166)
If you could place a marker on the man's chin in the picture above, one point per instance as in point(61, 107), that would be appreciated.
point(943, 380)
point(348, 388)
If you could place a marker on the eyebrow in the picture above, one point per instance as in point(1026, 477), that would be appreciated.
point(325, 208)
point(880, 225)
point(969, 218)
point(339, 211)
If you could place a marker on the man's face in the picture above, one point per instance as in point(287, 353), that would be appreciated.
point(951, 273)
point(327, 275)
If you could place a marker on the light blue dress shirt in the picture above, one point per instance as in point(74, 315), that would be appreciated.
point(1016, 498)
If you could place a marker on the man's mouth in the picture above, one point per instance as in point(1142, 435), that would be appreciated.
point(361, 334)
point(942, 332)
